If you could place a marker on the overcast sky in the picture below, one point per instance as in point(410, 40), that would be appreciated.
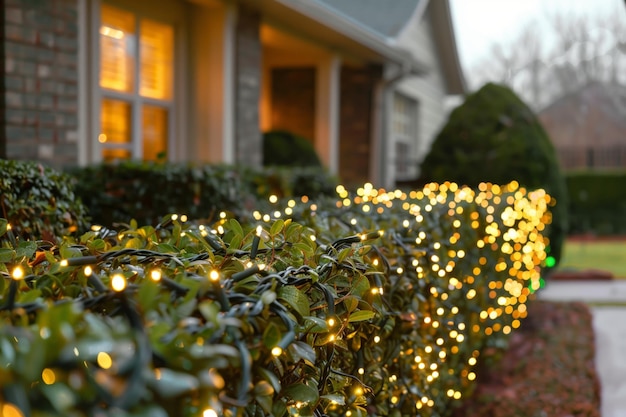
point(480, 23)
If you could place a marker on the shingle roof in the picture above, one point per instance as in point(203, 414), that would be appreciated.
point(387, 17)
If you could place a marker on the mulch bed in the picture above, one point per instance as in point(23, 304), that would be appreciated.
point(547, 371)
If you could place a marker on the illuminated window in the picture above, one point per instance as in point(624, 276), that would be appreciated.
point(136, 84)
point(404, 131)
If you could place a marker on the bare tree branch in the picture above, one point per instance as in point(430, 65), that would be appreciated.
point(576, 51)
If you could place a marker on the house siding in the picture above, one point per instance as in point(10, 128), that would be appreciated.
point(40, 81)
point(428, 90)
point(588, 127)
point(248, 48)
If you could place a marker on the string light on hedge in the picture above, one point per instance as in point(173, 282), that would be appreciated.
point(442, 285)
point(156, 275)
point(118, 282)
point(209, 412)
point(104, 360)
point(17, 274)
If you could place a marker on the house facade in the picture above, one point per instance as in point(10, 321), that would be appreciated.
point(87, 81)
point(588, 127)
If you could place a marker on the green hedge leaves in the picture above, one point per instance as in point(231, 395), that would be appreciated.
point(379, 303)
point(38, 201)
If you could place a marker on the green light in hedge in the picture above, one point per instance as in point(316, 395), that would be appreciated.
point(550, 261)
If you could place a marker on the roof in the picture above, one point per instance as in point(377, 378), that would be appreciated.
point(385, 17)
point(371, 26)
point(608, 99)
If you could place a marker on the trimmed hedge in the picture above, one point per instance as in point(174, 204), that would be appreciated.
point(282, 148)
point(39, 202)
point(376, 304)
point(145, 191)
point(115, 193)
point(597, 202)
point(289, 181)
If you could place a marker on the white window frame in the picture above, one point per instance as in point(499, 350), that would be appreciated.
point(406, 136)
point(91, 94)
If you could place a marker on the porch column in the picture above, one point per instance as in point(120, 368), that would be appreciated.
point(211, 94)
point(248, 139)
point(327, 111)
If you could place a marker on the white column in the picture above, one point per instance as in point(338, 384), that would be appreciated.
point(389, 161)
point(211, 132)
point(328, 84)
point(382, 159)
point(228, 84)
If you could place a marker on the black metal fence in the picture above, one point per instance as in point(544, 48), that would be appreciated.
point(596, 157)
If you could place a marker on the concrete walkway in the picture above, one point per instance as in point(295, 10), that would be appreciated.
point(609, 322)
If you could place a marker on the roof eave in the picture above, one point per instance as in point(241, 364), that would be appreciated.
point(380, 45)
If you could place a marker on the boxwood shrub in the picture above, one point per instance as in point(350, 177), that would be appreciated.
point(283, 148)
point(289, 181)
point(597, 202)
point(378, 303)
point(494, 136)
point(39, 202)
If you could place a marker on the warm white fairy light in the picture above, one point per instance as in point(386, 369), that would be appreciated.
point(214, 275)
point(155, 275)
point(118, 282)
point(17, 273)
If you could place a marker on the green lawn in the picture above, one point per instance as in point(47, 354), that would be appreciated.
point(607, 256)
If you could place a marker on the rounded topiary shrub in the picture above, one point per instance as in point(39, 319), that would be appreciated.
point(281, 148)
point(39, 202)
point(493, 136)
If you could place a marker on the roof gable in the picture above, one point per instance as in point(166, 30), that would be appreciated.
point(385, 17)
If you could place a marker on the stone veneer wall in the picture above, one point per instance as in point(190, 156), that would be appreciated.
point(249, 150)
point(40, 81)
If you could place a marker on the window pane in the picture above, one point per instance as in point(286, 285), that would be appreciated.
point(157, 54)
point(113, 154)
point(154, 125)
point(117, 49)
point(115, 129)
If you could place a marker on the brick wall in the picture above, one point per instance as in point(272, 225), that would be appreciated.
point(248, 88)
point(355, 130)
point(293, 101)
point(40, 87)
